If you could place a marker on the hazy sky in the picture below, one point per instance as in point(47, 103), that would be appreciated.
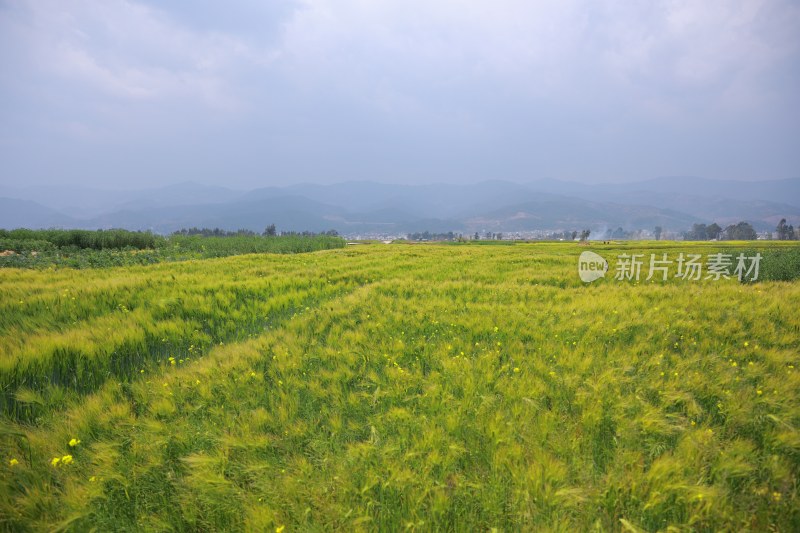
point(137, 93)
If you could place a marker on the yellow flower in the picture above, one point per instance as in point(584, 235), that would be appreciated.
point(279, 529)
point(759, 392)
point(776, 496)
point(13, 462)
point(92, 479)
point(746, 344)
point(55, 460)
point(74, 442)
point(67, 459)
point(516, 369)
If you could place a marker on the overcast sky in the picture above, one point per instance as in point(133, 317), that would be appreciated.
point(137, 93)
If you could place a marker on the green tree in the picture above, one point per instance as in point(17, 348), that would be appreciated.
point(713, 231)
point(699, 232)
point(785, 232)
point(741, 232)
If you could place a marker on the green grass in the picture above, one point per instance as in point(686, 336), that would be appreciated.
point(381, 387)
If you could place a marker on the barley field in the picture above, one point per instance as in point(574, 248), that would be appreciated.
point(399, 387)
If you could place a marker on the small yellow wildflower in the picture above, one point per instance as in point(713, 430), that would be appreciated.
point(280, 529)
point(92, 479)
point(516, 369)
point(74, 442)
point(776, 496)
point(13, 462)
point(759, 392)
point(55, 460)
point(67, 459)
point(746, 344)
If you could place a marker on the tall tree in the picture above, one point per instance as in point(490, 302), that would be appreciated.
point(713, 231)
point(782, 230)
point(741, 232)
point(698, 232)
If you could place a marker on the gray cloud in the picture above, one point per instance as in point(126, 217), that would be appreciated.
point(131, 93)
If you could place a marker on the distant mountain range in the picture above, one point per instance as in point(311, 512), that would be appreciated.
point(675, 203)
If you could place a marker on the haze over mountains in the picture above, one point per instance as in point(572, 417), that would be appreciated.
point(368, 207)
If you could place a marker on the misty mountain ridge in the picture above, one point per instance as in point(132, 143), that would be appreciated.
point(371, 207)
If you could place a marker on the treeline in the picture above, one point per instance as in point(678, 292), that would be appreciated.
point(201, 246)
point(113, 239)
point(24, 248)
point(786, 232)
point(734, 232)
point(269, 231)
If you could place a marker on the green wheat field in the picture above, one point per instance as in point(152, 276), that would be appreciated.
point(397, 387)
